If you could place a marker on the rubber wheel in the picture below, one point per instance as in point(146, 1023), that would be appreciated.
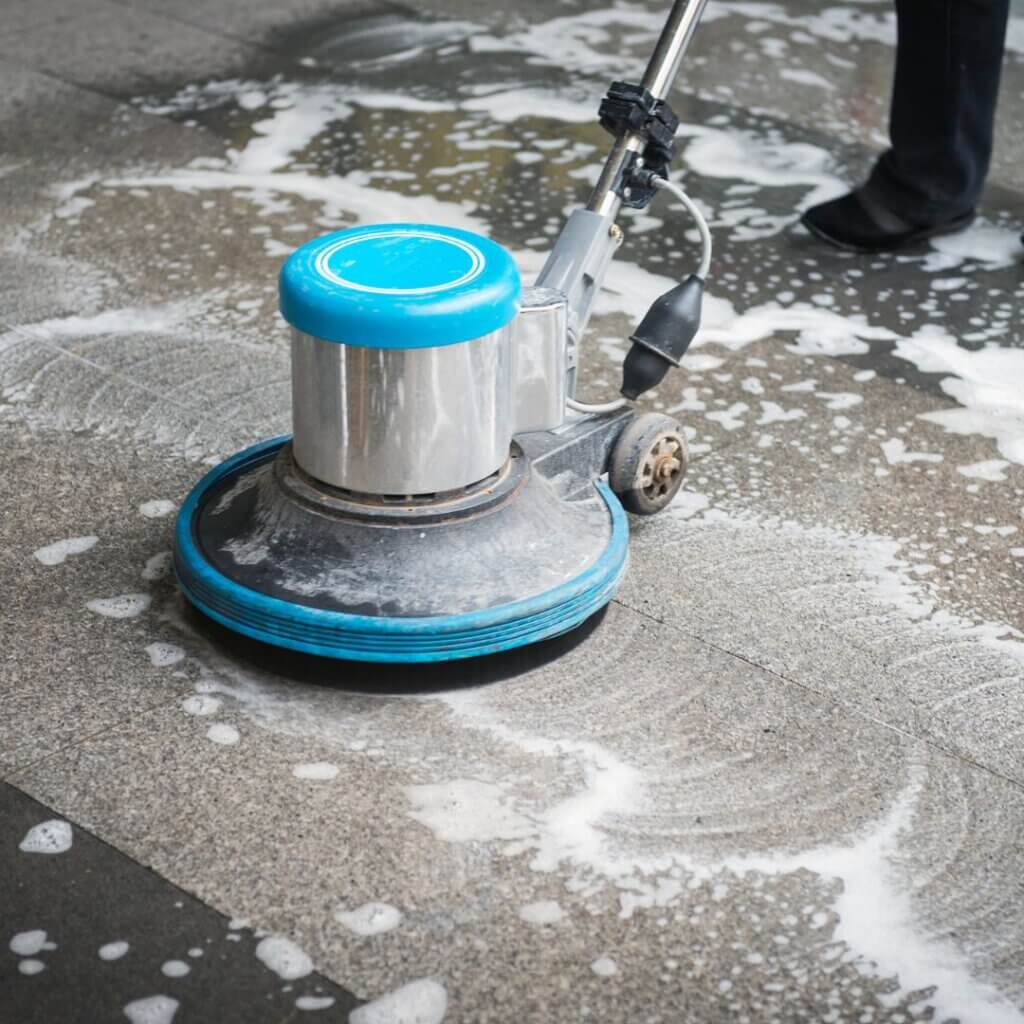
point(648, 463)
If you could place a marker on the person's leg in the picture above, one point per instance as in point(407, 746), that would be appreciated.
point(948, 62)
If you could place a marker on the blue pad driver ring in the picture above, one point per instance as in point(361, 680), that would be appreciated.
point(254, 558)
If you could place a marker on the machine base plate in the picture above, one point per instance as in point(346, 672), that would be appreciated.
point(253, 558)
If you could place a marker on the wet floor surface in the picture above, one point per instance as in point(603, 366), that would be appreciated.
point(780, 779)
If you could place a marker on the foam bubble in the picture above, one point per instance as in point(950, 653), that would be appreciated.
point(31, 966)
point(47, 837)
point(157, 508)
point(988, 469)
point(161, 655)
point(420, 1002)
point(316, 770)
point(222, 733)
point(202, 705)
point(895, 451)
point(124, 606)
point(157, 567)
point(314, 1002)
point(113, 950)
point(152, 1010)
point(604, 967)
point(31, 942)
point(542, 912)
point(370, 918)
point(54, 554)
point(284, 957)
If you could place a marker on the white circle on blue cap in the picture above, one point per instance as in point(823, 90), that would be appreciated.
point(473, 270)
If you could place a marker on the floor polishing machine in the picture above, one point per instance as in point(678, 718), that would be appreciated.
point(444, 494)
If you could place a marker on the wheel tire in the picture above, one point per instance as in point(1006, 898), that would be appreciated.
point(648, 463)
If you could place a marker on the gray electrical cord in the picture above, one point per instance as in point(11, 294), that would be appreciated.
point(698, 217)
point(702, 273)
point(618, 403)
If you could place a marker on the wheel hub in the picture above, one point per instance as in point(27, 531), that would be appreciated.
point(662, 466)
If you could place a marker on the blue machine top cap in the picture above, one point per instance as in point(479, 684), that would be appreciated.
point(399, 286)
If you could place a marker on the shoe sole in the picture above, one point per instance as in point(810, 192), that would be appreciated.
point(922, 235)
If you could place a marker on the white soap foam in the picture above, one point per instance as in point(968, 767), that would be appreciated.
point(983, 243)
point(338, 195)
point(161, 655)
point(316, 770)
point(152, 1010)
point(542, 912)
point(985, 382)
point(314, 1002)
point(202, 704)
point(895, 451)
point(424, 1001)
point(837, 400)
point(993, 470)
point(157, 567)
point(837, 24)
point(129, 320)
point(875, 917)
point(31, 966)
point(572, 41)
point(820, 332)
point(54, 554)
point(743, 156)
point(31, 942)
point(157, 509)
point(772, 412)
point(604, 967)
point(175, 968)
point(370, 918)
point(124, 606)
point(113, 950)
point(567, 830)
point(53, 836)
point(508, 105)
point(222, 733)
point(284, 957)
point(947, 284)
point(802, 76)
point(467, 810)
point(731, 418)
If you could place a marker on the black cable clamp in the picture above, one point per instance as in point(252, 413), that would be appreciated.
point(631, 109)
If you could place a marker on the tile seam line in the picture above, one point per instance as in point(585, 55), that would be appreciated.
point(7, 774)
point(114, 375)
point(91, 90)
point(829, 698)
point(216, 33)
point(317, 973)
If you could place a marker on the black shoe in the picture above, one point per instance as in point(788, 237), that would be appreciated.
point(859, 223)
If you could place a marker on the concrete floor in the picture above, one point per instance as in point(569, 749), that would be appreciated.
point(779, 779)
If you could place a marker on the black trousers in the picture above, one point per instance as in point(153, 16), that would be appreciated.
point(949, 57)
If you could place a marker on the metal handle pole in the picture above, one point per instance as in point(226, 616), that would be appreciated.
point(661, 72)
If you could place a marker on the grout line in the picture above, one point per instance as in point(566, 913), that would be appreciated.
point(829, 698)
